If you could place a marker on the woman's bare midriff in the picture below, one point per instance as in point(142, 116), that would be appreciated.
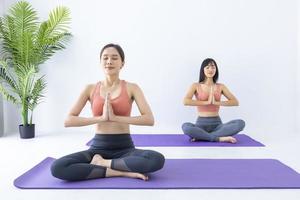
point(112, 128)
point(208, 114)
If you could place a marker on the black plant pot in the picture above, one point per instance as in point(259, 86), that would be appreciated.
point(26, 131)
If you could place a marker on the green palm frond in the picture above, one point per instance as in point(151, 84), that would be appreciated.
point(8, 80)
point(8, 96)
point(37, 93)
point(26, 43)
point(51, 45)
point(3, 64)
point(59, 20)
point(21, 24)
point(25, 52)
point(25, 17)
point(59, 40)
point(8, 37)
point(26, 74)
point(53, 34)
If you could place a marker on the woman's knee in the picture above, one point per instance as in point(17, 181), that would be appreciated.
point(186, 126)
point(57, 168)
point(159, 160)
point(241, 124)
point(156, 161)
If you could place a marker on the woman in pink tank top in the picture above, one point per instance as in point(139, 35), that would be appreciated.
point(112, 152)
point(208, 93)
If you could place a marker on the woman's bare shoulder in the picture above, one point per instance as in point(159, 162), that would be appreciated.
point(90, 86)
point(132, 86)
point(221, 85)
point(89, 89)
point(195, 85)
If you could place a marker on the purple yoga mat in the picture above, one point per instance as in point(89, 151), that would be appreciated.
point(181, 140)
point(179, 174)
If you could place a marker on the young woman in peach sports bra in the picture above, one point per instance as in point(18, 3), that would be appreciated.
point(208, 92)
point(112, 152)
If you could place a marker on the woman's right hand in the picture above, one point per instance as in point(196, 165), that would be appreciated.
point(104, 116)
point(211, 96)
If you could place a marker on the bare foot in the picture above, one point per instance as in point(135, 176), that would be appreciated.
point(99, 160)
point(227, 139)
point(114, 173)
point(136, 175)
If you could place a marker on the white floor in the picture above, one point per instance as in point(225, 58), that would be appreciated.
point(17, 156)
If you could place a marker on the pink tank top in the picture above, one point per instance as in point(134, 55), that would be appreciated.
point(201, 95)
point(121, 105)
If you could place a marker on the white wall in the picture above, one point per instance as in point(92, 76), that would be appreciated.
point(254, 43)
point(1, 117)
point(298, 70)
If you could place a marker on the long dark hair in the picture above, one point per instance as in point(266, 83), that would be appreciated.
point(206, 62)
point(117, 47)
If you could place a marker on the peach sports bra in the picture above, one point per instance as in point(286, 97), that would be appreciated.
point(201, 95)
point(121, 105)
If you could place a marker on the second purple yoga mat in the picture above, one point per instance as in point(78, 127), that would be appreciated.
point(181, 140)
point(179, 174)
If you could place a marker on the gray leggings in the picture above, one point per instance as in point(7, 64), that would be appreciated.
point(211, 128)
point(117, 147)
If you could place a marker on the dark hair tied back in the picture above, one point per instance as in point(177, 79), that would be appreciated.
point(117, 47)
point(206, 62)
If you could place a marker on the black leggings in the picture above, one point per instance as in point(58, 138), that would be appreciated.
point(117, 147)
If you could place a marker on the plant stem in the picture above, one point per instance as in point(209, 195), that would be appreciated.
point(31, 118)
point(24, 113)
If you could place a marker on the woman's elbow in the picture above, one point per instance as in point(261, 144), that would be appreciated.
point(237, 103)
point(67, 122)
point(151, 121)
point(185, 102)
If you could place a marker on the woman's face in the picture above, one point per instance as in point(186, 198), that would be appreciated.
point(210, 70)
point(111, 61)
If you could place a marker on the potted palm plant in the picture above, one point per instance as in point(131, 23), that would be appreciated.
point(25, 44)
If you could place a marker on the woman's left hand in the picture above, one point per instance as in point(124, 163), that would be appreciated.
point(214, 102)
point(111, 114)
